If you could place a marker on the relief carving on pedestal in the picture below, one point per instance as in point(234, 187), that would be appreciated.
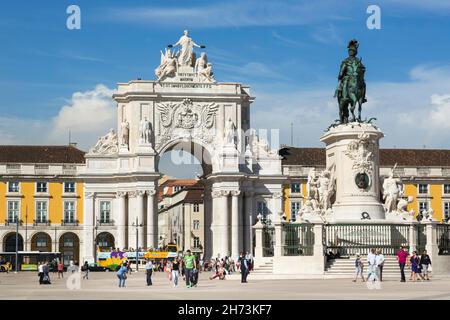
point(361, 152)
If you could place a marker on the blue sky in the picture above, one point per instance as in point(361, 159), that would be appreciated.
point(289, 52)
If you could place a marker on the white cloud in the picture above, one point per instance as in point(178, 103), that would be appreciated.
point(88, 115)
point(230, 14)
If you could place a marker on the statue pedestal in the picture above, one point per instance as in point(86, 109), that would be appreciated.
point(145, 158)
point(230, 158)
point(353, 150)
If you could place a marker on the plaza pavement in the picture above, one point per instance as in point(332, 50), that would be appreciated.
point(104, 285)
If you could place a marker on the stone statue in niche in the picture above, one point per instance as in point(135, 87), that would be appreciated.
point(145, 131)
point(125, 128)
point(230, 132)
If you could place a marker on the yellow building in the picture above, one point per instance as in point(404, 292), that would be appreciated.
point(425, 174)
point(40, 191)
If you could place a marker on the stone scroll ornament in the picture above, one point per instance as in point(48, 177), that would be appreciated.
point(108, 144)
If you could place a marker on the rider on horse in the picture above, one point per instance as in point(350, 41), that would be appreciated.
point(352, 87)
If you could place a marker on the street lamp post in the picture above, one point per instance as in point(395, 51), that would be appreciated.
point(137, 225)
point(17, 244)
point(26, 229)
point(97, 222)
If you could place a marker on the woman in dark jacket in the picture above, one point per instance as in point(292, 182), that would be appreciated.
point(425, 262)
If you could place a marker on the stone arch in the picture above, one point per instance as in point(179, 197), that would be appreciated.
point(105, 241)
point(201, 151)
point(69, 246)
point(41, 241)
point(9, 242)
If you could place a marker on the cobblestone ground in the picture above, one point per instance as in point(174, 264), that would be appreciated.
point(104, 285)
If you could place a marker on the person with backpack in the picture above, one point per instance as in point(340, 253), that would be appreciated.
point(46, 271)
point(122, 274)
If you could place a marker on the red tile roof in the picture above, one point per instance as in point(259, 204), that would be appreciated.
point(41, 154)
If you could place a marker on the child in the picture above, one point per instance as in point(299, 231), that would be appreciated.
point(359, 268)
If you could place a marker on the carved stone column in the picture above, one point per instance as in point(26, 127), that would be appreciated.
point(235, 223)
point(248, 222)
point(121, 220)
point(152, 220)
point(132, 214)
point(140, 216)
point(88, 227)
point(224, 228)
point(215, 223)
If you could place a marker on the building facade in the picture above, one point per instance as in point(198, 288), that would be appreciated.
point(40, 190)
point(181, 215)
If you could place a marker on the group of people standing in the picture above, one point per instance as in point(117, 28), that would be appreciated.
point(420, 265)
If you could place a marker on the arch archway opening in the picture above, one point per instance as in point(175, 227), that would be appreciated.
point(9, 242)
point(105, 241)
point(42, 242)
point(69, 246)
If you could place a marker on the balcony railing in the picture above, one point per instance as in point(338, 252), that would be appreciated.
point(106, 222)
point(69, 222)
point(12, 222)
point(41, 222)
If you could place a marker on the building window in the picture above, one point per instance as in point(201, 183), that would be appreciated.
point(196, 224)
point(262, 209)
point(105, 211)
point(423, 206)
point(41, 187)
point(41, 240)
point(196, 207)
point(295, 187)
point(69, 187)
point(13, 211)
point(69, 211)
point(446, 211)
point(41, 211)
point(446, 188)
point(68, 241)
point(177, 188)
point(295, 208)
point(13, 186)
point(196, 242)
point(423, 189)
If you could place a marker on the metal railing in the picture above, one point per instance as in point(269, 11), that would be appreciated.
point(268, 241)
point(443, 239)
point(12, 222)
point(69, 222)
point(106, 222)
point(41, 222)
point(298, 240)
point(350, 239)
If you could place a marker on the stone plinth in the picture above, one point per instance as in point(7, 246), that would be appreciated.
point(352, 153)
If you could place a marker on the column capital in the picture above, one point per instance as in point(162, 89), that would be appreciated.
point(140, 193)
point(216, 194)
point(89, 195)
point(225, 193)
point(277, 195)
point(151, 192)
point(132, 194)
point(235, 193)
point(121, 194)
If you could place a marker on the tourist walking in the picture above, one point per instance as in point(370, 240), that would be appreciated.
point(122, 274)
point(175, 272)
point(359, 267)
point(46, 271)
point(380, 264)
point(189, 265)
point(372, 269)
point(244, 268)
point(415, 269)
point(41, 272)
point(168, 269)
point(60, 269)
point(86, 270)
point(425, 262)
point(149, 272)
point(402, 255)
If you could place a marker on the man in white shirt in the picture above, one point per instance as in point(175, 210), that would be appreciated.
point(372, 262)
point(380, 264)
point(149, 271)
